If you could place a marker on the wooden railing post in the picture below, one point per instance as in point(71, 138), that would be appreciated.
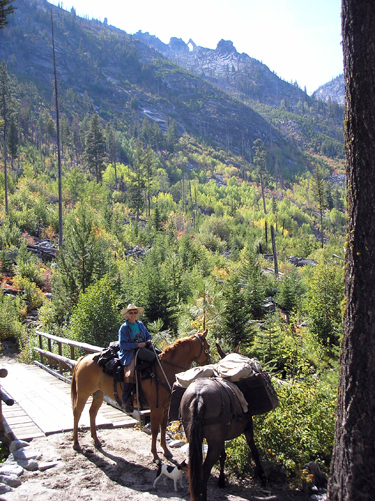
point(41, 347)
point(3, 373)
point(50, 350)
point(59, 345)
point(63, 362)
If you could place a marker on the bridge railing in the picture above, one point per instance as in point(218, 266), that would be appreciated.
point(58, 360)
point(4, 397)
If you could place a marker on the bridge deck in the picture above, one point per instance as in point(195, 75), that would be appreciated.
point(43, 406)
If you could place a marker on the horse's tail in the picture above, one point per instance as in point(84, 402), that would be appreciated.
point(73, 384)
point(195, 448)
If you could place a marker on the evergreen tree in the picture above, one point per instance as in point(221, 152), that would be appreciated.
point(157, 219)
point(290, 291)
point(81, 262)
point(171, 135)
point(323, 302)
point(157, 136)
point(96, 317)
point(5, 10)
point(234, 318)
point(137, 182)
point(113, 148)
point(4, 114)
point(352, 467)
point(260, 159)
point(251, 276)
point(13, 138)
point(153, 292)
point(319, 191)
point(94, 154)
point(267, 342)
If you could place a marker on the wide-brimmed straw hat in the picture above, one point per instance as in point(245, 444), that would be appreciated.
point(132, 307)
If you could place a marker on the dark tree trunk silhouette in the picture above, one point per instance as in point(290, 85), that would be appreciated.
point(353, 463)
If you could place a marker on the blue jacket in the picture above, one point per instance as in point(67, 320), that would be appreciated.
point(127, 345)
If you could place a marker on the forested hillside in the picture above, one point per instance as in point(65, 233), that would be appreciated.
point(209, 210)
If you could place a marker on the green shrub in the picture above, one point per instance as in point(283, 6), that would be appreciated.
point(27, 266)
point(31, 293)
point(300, 430)
point(10, 317)
point(96, 318)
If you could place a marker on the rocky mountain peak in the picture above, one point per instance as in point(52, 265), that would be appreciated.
point(177, 45)
point(192, 45)
point(226, 47)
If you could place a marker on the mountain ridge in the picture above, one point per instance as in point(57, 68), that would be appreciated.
point(228, 69)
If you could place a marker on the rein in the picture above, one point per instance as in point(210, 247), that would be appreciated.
point(202, 348)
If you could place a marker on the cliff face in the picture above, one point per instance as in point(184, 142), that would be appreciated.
point(236, 73)
point(333, 90)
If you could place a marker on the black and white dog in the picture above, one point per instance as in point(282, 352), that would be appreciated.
point(173, 472)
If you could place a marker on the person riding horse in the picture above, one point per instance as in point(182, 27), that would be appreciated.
point(133, 336)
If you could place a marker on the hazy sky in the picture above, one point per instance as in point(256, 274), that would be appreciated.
point(300, 40)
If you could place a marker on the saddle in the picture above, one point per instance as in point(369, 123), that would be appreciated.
point(111, 365)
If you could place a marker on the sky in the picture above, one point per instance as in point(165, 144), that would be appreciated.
point(299, 40)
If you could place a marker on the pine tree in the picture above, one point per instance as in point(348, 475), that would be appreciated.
point(268, 341)
point(137, 182)
point(251, 275)
point(4, 114)
point(319, 191)
point(157, 219)
point(13, 138)
point(153, 291)
point(234, 318)
point(82, 261)
point(94, 154)
point(96, 317)
point(290, 291)
point(171, 135)
point(260, 159)
point(5, 10)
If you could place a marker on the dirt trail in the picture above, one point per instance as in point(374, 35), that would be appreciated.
point(121, 470)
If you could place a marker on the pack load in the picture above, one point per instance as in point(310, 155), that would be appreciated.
point(252, 385)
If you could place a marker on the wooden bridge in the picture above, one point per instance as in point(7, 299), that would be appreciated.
point(41, 393)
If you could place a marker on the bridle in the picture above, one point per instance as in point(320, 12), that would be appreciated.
point(205, 348)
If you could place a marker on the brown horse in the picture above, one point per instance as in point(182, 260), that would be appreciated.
point(208, 412)
point(89, 379)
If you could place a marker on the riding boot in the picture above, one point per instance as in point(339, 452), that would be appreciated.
point(127, 397)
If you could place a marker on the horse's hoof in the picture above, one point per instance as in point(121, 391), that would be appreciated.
point(168, 454)
point(77, 447)
point(221, 481)
point(98, 444)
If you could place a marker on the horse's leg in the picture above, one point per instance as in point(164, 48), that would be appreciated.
point(97, 400)
point(79, 405)
point(163, 429)
point(249, 434)
point(155, 419)
point(223, 456)
point(214, 450)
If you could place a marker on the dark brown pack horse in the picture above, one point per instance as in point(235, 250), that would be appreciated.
point(89, 379)
point(206, 410)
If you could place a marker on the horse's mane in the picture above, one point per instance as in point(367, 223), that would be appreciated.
point(170, 350)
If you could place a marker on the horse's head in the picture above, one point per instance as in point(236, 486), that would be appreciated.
point(204, 353)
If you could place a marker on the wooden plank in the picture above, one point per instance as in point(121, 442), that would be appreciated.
point(46, 402)
point(27, 430)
